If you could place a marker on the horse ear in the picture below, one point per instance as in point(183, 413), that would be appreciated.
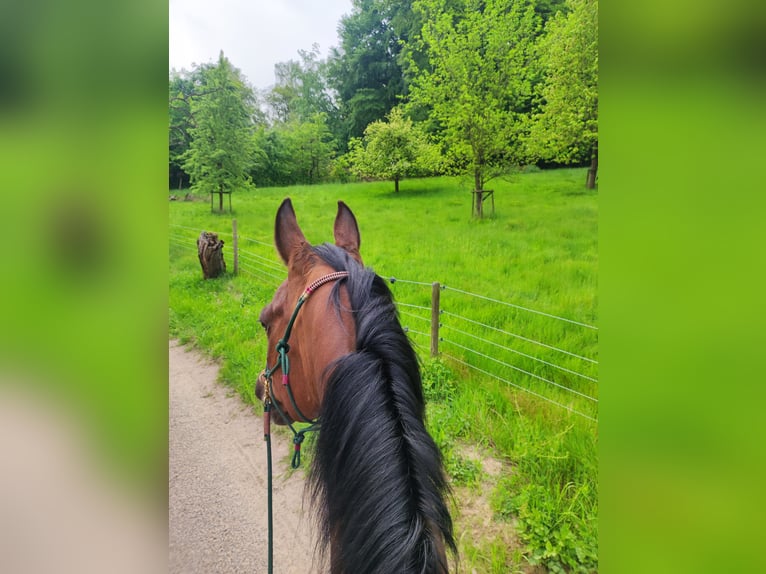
point(288, 236)
point(346, 231)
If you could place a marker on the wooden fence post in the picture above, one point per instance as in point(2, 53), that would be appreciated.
point(234, 244)
point(435, 290)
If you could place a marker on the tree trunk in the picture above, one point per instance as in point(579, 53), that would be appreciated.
point(478, 186)
point(220, 201)
point(210, 251)
point(590, 182)
point(396, 184)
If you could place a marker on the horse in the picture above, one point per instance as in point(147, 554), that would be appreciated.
point(377, 479)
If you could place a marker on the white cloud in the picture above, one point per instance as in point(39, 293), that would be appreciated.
point(253, 35)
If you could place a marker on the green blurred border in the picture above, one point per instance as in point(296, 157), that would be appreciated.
point(83, 141)
point(681, 263)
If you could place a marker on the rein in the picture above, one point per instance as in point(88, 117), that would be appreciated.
point(283, 363)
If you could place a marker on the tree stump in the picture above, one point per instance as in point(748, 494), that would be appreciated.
point(210, 250)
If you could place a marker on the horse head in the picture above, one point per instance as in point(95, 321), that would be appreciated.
point(320, 334)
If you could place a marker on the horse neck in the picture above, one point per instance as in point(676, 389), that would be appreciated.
point(377, 473)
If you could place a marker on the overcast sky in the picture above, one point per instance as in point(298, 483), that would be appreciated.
point(253, 34)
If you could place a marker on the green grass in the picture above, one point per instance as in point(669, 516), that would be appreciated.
point(539, 251)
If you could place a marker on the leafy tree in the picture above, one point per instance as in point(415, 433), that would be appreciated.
point(221, 150)
point(313, 149)
point(393, 150)
point(299, 143)
point(548, 8)
point(366, 69)
point(477, 84)
point(180, 89)
point(294, 152)
point(301, 89)
point(276, 167)
point(565, 130)
point(282, 97)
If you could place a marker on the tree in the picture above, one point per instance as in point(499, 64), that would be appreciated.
point(365, 70)
point(393, 150)
point(180, 89)
point(276, 167)
point(300, 91)
point(312, 149)
point(477, 85)
point(221, 151)
point(294, 152)
point(565, 130)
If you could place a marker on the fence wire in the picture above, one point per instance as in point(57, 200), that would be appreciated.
point(424, 308)
point(519, 369)
point(445, 287)
point(393, 280)
point(181, 241)
point(520, 337)
point(410, 330)
point(426, 319)
point(510, 350)
point(271, 245)
point(521, 388)
point(261, 270)
point(256, 259)
point(194, 229)
point(261, 275)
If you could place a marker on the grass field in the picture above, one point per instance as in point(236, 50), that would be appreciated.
point(515, 386)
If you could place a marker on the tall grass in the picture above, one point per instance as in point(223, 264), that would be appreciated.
point(539, 251)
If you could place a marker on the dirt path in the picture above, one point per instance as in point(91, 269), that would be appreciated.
point(217, 470)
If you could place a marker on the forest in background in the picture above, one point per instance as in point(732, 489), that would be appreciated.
point(415, 88)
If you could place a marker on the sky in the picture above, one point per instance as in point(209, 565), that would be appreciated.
point(253, 34)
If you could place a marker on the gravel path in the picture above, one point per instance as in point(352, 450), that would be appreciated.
point(217, 470)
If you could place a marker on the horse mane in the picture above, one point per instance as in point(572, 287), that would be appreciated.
point(377, 474)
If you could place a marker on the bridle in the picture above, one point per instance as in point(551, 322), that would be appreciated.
point(283, 363)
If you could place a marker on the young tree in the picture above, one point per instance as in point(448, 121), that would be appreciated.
point(566, 128)
point(477, 83)
point(221, 149)
point(393, 150)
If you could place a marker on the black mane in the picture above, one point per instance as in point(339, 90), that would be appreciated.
point(377, 474)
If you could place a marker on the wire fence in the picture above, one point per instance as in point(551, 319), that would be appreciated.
point(520, 307)
point(545, 355)
point(542, 354)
